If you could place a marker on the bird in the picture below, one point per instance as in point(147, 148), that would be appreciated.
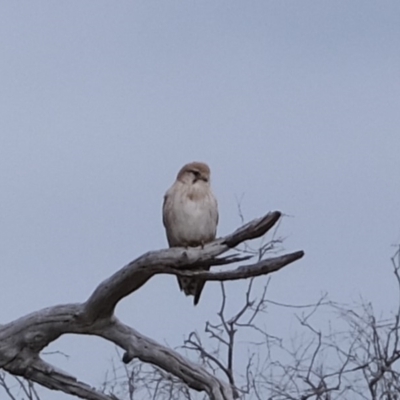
point(190, 216)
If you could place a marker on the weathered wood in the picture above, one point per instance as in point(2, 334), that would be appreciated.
point(22, 340)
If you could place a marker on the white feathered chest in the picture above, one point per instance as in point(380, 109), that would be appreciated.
point(190, 214)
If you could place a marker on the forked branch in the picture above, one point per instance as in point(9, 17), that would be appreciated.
point(22, 340)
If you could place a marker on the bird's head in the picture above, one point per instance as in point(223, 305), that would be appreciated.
point(194, 172)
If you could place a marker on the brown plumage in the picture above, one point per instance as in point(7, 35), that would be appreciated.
point(190, 216)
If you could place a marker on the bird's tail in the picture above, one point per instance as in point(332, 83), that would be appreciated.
point(191, 287)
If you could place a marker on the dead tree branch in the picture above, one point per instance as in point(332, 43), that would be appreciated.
point(22, 340)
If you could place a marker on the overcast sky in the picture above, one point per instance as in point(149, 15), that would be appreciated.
point(295, 105)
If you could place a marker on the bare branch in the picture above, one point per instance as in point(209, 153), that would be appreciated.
point(263, 267)
point(22, 340)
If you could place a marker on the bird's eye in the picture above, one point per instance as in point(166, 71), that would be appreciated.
point(195, 173)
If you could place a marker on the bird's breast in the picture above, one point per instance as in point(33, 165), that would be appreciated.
point(194, 218)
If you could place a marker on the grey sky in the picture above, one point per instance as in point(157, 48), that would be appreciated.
point(295, 105)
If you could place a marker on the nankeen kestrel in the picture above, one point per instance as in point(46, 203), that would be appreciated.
point(190, 216)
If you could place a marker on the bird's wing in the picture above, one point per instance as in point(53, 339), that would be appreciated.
point(199, 287)
point(168, 223)
point(214, 211)
point(165, 209)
